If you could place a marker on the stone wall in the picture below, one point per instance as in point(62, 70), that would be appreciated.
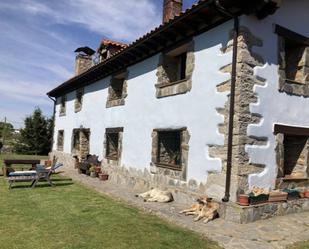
point(82, 63)
point(244, 96)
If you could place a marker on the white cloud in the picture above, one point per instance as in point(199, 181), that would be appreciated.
point(119, 20)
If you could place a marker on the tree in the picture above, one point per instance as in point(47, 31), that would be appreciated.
point(36, 137)
point(6, 131)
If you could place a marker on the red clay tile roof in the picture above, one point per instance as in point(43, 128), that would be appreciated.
point(107, 42)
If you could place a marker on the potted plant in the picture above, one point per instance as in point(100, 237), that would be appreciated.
point(103, 176)
point(93, 174)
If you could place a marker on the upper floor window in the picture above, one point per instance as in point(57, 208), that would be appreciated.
point(175, 71)
point(117, 91)
point(293, 62)
point(62, 105)
point(79, 99)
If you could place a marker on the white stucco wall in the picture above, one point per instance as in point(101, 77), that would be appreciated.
point(275, 107)
point(143, 112)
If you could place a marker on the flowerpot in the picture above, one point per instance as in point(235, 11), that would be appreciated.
point(243, 200)
point(259, 199)
point(98, 170)
point(307, 194)
point(48, 163)
point(93, 174)
point(103, 177)
point(302, 194)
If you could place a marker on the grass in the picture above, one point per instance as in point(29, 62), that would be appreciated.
point(70, 216)
point(301, 245)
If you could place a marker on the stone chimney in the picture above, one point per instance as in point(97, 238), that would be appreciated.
point(171, 8)
point(83, 59)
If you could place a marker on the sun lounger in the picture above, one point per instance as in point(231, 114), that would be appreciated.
point(33, 176)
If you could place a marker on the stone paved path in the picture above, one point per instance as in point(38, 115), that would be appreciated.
point(277, 232)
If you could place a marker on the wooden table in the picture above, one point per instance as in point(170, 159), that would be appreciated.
point(9, 162)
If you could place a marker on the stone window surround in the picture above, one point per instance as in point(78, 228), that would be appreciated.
point(62, 110)
point(80, 151)
point(280, 131)
point(118, 130)
point(79, 103)
point(286, 85)
point(121, 101)
point(157, 168)
point(60, 142)
point(164, 88)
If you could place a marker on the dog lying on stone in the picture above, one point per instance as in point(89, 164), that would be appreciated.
point(205, 209)
point(156, 195)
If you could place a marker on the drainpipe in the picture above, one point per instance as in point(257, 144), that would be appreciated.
point(232, 102)
point(231, 114)
point(54, 116)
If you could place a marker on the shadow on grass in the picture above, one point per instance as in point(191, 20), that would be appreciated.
point(44, 185)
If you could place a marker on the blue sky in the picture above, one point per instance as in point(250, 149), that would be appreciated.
point(38, 38)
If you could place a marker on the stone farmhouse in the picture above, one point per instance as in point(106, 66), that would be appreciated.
point(213, 101)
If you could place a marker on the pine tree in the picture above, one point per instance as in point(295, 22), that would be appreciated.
point(36, 137)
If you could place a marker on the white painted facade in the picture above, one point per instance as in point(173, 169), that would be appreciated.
point(143, 112)
point(275, 107)
point(196, 109)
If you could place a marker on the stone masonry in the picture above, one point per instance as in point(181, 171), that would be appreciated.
point(167, 84)
point(244, 96)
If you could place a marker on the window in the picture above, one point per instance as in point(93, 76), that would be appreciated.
point(117, 91)
point(113, 143)
point(62, 105)
point(81, 142)
point(175, 71)
point(116, 88)
point(169, 149)
point(60, 140)
point(79, 99)
point(293, 62)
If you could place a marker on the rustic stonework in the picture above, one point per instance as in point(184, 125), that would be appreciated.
point(167, 83)
point(80, 142)
point(244, 96)
point(156, 168)
point(82, 63)
point(291, 80)
point(112, 99)
point(79, 100)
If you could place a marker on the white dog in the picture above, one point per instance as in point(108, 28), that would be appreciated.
point(156, 195)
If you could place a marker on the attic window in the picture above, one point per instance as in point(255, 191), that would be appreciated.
point(175, 71)
point(60, 140)
point(62, 105)
point(79, 99)
point(293, 62)
point(117, 91)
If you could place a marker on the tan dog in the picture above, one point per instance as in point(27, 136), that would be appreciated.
point(156, 195)
point(205, 208)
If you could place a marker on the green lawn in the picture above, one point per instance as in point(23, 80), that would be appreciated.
point(71, 216)
point(301, 245)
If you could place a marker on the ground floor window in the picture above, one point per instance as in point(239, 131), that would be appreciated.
point(292, 153)
point(113, 143)
point(60, 140)
point(170, 150)
point(80, 142)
